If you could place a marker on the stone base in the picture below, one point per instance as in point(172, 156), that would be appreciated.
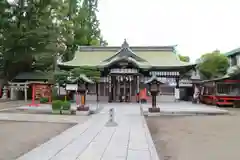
point(153, 110)
point(68, 112)
point(83, 113)
point(83, 108)
point(111, 124)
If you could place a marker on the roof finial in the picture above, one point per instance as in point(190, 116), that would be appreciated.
point(125, 44)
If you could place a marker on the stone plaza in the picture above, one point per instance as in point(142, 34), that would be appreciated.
point(93, 140)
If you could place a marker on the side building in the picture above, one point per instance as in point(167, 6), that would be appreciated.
point(234, 57)
point(124, 69)
point(225, 90)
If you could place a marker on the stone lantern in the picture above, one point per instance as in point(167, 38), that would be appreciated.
point(82, 87)
point(154, 86)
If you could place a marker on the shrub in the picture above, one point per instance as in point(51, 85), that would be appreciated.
point(57, 105)
point(44, 100)
point(66, 105)
point(237, 104)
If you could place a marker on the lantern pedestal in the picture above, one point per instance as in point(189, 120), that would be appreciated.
point(82, 106)
point(153, 110)
point(154, 102)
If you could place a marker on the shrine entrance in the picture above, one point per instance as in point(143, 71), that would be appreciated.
point(124, 86)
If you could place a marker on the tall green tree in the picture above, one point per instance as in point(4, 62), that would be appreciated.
point(32, 32)
point(83, 26)
point(27, 31)
point(212, 65)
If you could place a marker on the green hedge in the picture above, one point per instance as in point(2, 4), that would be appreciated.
point(66, 105)
point(56, 105)
point(61, 105)
point(44, 100)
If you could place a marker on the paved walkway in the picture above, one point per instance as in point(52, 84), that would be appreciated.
point(92, 140)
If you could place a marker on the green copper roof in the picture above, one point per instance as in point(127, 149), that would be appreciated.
point(153, 58)
point(233, 52)
point(144, 57)
point(84, 78)
point(141, 64)
point(33, 76)
point(88, 58)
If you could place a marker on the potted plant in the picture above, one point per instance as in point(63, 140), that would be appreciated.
point(44, 100)
point(56, 107)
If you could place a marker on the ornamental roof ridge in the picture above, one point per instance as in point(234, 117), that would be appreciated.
point(134, 48)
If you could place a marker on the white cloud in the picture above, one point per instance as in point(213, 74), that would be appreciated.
point(196, 26)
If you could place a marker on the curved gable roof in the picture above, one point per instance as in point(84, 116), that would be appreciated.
point(143, 56)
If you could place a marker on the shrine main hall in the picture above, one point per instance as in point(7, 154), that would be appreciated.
point(124, 69)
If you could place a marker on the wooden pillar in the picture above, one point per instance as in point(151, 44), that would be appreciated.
point(104, 88)
point(130, 88)
point(50, 94)
point(138, 88)
point(33, 95)
point(118, 89)
point(138, 83)
point(109, 89)
point(124, 88)
point(97, 91)
point(113, 89)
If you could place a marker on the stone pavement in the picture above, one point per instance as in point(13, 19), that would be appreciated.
point(92, 140)
point(184, 108)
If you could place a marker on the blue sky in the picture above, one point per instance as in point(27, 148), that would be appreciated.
point(196, 26)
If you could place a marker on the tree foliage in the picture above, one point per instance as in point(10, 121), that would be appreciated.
point(212, 65)
point(27, 32)
point(90, 72)
point(84, 26)
point(33, 32)
point(64, 77)
point(184, 58)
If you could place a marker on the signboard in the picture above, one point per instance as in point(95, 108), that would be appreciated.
point(71, 87)
point(42, 90)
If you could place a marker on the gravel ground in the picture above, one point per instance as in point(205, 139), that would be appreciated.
point(17, 138)
point(12, 104)
point(196, 137)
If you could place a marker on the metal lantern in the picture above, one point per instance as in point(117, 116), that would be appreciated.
point(154, 87)
point(82, 87)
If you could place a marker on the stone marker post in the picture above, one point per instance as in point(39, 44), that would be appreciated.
point(111, 121)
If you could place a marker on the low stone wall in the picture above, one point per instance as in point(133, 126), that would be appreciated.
point(160, 98)
point(94, 98)
point(165, 98)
